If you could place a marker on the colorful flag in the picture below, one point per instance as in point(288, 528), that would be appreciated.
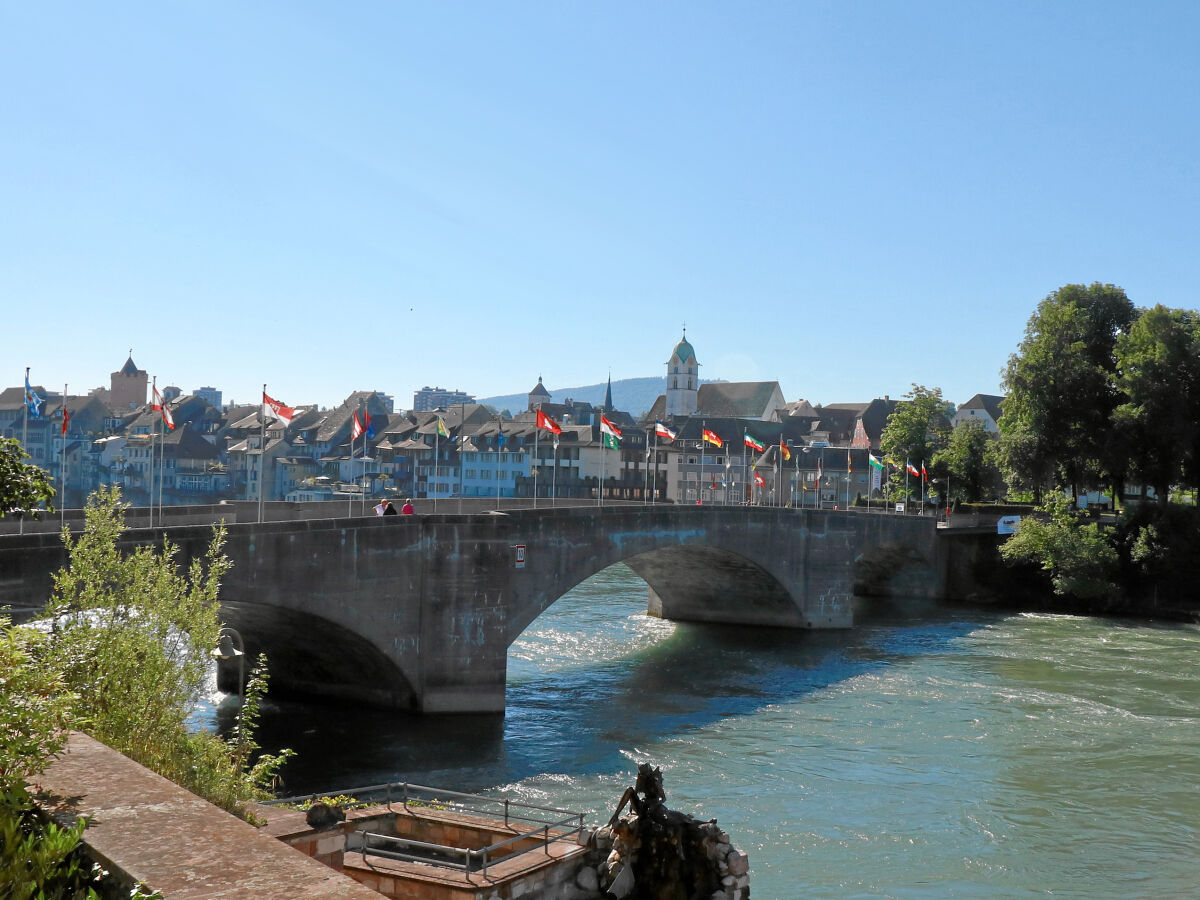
point(849, 465)
point(500, 435)
point(818, 478)
point(32, 401)
point(784, 449)
point(544, 421)
point(277, 409)
point(160, 405)
point(663, 431)
point(367, 426)
point(710, 437)
point(441, 428)
point(356, 427)
point(873, 461)
point(911, 469)
point(66, 417)
point(610, 435)
point(924, 474)
point(759, 480)
point(753, 443)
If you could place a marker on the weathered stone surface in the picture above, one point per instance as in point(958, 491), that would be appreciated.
point(738, 862)
point(588, 879)
point(622, 884)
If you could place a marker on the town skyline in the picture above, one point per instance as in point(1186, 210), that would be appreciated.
point(847, 200)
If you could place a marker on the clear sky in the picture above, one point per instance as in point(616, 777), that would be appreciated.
point(844, 196)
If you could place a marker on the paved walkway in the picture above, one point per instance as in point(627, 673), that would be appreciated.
point(173, 841)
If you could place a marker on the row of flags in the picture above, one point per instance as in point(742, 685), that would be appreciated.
point(35, 406)
point(610, 434)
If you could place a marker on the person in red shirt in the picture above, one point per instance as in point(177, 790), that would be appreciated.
point(407, 508)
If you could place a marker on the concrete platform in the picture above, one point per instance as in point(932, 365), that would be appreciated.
point(168, 838)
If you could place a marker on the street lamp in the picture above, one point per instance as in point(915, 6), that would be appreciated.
point(226, 650)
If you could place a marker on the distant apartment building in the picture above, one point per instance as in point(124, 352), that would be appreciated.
point(210, 395)
point(428, 398)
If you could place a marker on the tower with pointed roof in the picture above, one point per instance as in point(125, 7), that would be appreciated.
point(538, 396)
point(683, 379)
point(608, 407)
point(129, 385)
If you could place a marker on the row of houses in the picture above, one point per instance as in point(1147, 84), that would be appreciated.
point(719, 442)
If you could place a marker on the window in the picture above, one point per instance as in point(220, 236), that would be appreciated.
point(470, 473)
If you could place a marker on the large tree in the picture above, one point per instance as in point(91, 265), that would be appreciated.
point(1158, 377)
point(1060, 388)
point(916, 430)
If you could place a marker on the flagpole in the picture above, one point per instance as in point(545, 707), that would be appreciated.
point(535, 460)
point(24, 441)
point(600, 485)
point(437, 441)
point(162, 456)
point(262, 451)
point(554, 475)
point(350, 494)
point(646, 474)
point(62, 464)
point(150, 498)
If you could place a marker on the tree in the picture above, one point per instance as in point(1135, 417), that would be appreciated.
point(22, 486)
point(1158, 376)
point(968, 461)
point(1080, 560)
point(1060, 389)
point(131, 636)
point(917, 428)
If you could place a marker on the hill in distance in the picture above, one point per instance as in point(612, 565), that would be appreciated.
point(633, 395)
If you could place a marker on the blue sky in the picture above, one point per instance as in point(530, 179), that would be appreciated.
point(845, 197)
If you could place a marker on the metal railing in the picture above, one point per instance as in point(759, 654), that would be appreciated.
point(564, 822)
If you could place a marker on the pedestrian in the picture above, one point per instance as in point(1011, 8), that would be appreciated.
point(407, 508)
point(388, 509)
point(380, 508)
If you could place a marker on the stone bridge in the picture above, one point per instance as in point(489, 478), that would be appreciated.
point(419, 612)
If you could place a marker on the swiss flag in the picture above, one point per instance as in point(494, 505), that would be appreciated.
point(759, 480)
point(544, 421)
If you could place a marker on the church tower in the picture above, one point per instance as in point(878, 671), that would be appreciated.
point(683, 379)
point(538, 396)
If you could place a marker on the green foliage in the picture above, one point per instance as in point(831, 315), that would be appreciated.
point(39, 859)
point(22, 486)
point(1158, 376)
point(969, 460)
point(1081, 561)
point(131, 636)
point(36, 709)
point(1060, 389)
point(916, 430)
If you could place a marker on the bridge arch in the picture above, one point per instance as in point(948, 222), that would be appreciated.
point(313, 656)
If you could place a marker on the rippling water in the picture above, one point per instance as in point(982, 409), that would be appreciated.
point(956, 756)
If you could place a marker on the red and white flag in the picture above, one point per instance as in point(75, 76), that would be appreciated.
point(544, 421)
point(356, 429)
point(277, 409)
point(759, 480)
point(924, 474)
point(161, 405)
point(66, 417)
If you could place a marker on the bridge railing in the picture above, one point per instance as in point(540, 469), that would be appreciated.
point(549, 823)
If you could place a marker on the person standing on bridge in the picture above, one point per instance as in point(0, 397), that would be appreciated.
point(407, 508)
point(388, 508)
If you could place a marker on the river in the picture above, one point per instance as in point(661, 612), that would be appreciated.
point(963, 754)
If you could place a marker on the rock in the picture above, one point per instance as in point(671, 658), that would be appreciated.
point(323, 816)
point(738, 862)
point(588, 880)
point(622, 884)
